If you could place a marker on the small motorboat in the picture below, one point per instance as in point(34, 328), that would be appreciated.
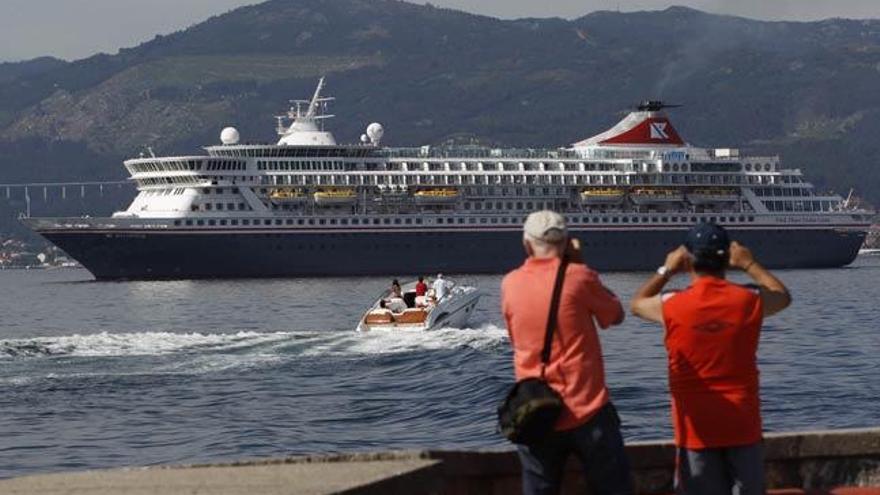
point(410, 312)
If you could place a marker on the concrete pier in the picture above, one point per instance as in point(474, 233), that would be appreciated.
point(807, 462)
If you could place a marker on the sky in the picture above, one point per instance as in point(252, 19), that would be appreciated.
point(73, 29)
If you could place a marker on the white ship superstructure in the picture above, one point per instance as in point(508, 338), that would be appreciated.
point(629, 193)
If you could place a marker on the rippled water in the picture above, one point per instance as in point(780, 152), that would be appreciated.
point(109, 374)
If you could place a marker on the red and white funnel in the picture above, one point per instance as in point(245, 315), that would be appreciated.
point(648, 126)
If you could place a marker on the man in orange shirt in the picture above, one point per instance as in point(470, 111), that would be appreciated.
point(588, 426)
point(712, 333)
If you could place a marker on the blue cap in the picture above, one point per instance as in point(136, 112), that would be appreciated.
point(707, 240)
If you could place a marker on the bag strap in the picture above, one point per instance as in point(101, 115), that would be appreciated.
point(552, 317)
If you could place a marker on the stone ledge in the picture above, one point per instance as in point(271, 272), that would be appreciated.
point(800, 460)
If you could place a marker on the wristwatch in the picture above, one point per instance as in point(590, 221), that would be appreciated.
point(663, 271)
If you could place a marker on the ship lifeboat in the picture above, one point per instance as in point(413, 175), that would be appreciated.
point(287, 195)
point(335, 196)
point(409, 312)
point(655, 195)
point(708, 195)
point(602, 195)
point(436, 196)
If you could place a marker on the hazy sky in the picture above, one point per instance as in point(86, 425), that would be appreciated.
point(73, 29)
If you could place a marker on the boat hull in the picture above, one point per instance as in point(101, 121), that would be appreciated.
point(186, 254)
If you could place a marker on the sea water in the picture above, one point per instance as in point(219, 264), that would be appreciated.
point(105, 374)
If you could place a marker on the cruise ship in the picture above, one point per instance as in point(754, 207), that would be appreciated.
point(308, 206)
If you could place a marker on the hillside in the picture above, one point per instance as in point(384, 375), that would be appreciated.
point(807, 91)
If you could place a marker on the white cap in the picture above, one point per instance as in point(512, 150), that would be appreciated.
point(547, 226)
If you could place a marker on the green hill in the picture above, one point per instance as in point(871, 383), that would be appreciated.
point(807, 91)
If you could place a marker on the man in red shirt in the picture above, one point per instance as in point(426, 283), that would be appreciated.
point(588, 426)
point(421, 287)
point(712, 333)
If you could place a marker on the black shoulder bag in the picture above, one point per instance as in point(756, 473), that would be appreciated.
point(529, 412)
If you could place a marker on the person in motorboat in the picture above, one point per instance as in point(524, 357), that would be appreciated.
point(421, 287)
point(439, 287)
point(381, 314)
point(421, 293)
point(395, 301)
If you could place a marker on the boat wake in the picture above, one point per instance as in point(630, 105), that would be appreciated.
point(313, 344)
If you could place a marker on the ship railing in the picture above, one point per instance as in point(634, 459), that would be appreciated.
point(478, 152)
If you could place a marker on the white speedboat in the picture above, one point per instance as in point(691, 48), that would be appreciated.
point(421, 313)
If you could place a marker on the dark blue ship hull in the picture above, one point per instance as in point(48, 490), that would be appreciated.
point(185, 254)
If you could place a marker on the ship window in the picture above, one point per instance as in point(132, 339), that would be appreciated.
point(230, 206)
point(189, 222)
point(233, 222)
point(177, 223)
point(408, 221)
point(241, 206)
point(354, 221)
point(219, 206)
point(267, 222)
point(212, 222)
point(206, 191)
point(245, 222)
point(614, 220)
point(344, 221)
point(604, 219)
point(194, 207)
point(278, 222)
point(751, 219)
point(301, 221)
point(200, 222)
point(333, 221)
point(375, 221)
point(322, 221)
point(460, 220)
point(220, 190)
point(222, 222)
point(439, 220)
point(494, 220)
point(713, 219)
point(208, 206)
point(664, 219)
point(397, 221)
point(386, 221)
point(625, 219)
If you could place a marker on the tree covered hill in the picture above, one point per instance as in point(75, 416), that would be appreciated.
point(807, 91)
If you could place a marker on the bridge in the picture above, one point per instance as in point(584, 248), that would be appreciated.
point(49, 192)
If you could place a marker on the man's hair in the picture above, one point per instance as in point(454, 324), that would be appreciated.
point(382, 303)
point(554, 241)
point(421, 278)
point(709, 261)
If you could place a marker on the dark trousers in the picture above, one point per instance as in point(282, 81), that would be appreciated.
point(598, 444)
point(721, 471)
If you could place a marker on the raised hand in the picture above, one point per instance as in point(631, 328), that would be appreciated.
point(678, 261)
point(740, 256)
